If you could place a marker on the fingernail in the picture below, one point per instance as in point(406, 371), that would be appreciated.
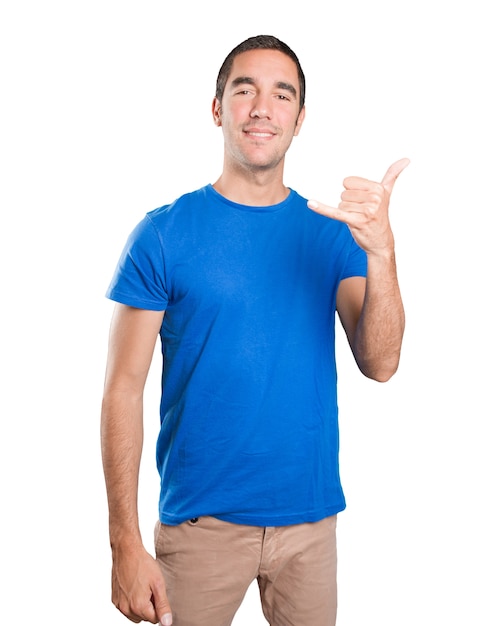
point(312, 204)
point(166, 620)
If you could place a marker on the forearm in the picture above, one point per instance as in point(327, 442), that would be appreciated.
point(121, 444)
point(378, 338)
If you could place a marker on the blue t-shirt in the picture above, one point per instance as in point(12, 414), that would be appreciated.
point(249, 417)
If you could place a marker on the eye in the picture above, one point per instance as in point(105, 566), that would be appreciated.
point(243, 92)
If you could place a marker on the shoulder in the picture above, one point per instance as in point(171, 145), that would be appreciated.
point(182, 203)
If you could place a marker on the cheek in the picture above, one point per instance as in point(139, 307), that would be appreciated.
point(236, 112)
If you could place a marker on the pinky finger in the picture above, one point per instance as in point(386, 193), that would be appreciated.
point(329, 211)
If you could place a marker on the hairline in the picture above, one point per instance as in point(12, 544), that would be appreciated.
point(260, 42)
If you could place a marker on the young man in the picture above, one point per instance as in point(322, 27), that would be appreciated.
point(242, 280)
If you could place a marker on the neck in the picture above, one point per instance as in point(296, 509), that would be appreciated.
point(257, 188)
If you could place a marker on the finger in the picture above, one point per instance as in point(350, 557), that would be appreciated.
point(162, 608)
point(358, 195)
point(323, 209)
point(393, 173)
point(329, 211)
point(359, 183)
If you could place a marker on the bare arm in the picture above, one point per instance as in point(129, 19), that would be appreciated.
point(138, 587)
point(372, 314)
point(371, 309)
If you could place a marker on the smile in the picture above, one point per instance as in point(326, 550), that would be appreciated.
point(252, 133)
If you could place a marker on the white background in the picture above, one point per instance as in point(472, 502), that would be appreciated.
point(105, 115)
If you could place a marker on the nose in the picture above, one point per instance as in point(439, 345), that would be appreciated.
point(261, 108)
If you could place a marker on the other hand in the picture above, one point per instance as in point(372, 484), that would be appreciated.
point(138, 587)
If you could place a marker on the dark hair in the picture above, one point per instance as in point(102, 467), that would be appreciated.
point(260, 42)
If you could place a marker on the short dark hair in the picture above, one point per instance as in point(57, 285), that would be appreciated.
point(260, 42)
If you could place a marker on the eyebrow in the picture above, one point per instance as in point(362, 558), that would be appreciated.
point(247, 80)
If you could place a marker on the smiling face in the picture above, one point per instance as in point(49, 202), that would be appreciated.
point(259, 112)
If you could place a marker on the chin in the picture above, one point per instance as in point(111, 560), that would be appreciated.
point(263, 163)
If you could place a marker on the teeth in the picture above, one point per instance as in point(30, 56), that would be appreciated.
point(260, 134)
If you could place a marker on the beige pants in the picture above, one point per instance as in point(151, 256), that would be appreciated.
point(208, 566)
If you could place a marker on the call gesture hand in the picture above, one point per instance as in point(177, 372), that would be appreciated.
point(364, 208)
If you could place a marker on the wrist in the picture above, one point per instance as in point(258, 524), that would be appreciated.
point(385, 254)
point(125, 538)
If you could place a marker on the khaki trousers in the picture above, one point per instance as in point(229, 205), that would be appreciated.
point(209, 564)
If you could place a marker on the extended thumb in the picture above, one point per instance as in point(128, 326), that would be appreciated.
point(393, 173)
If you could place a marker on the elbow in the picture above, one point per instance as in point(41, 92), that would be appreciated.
point(378, 360)
point(382, 377)
point(379, 372)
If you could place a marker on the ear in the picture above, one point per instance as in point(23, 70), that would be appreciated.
point(216, 110)
point(300, 120)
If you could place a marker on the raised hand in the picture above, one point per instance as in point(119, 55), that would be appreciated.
point(364, 208)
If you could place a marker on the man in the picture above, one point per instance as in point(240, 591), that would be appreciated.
point(242, 280)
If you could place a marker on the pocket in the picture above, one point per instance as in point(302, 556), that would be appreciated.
point(158, 538)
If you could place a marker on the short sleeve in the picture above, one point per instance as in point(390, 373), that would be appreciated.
point(356, 264)
point(139, 278)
